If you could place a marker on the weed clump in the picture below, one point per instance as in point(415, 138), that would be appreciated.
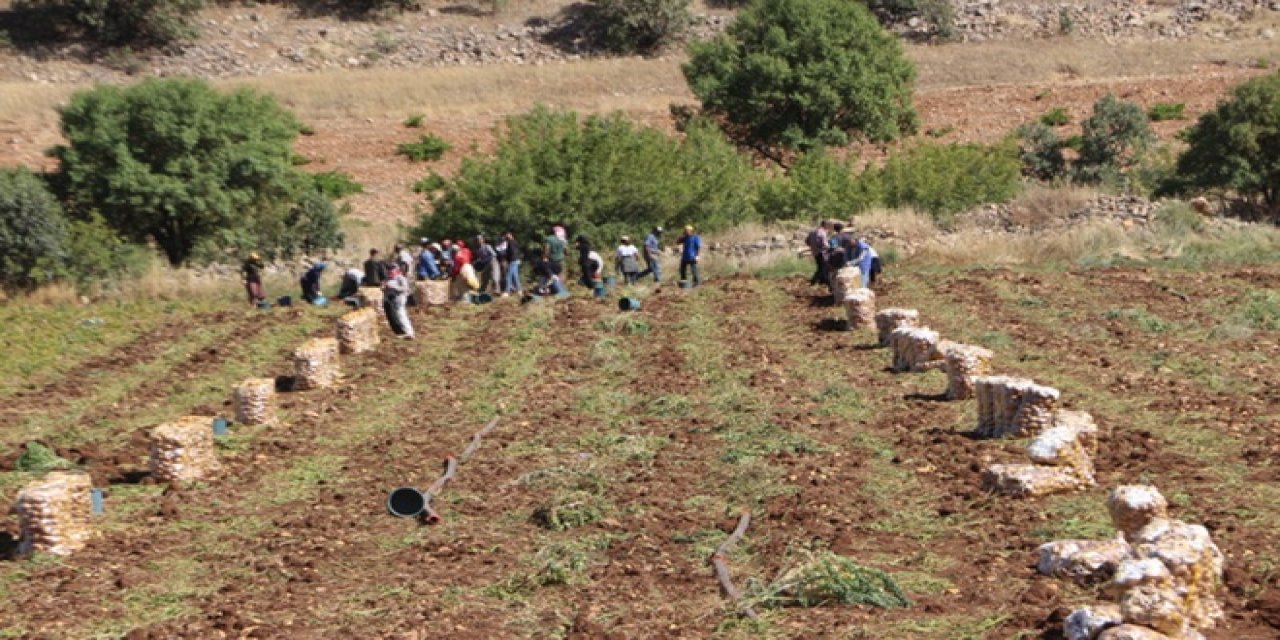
point(570, 509)
point(38, 457)
point(428, 147)
point(825, 578)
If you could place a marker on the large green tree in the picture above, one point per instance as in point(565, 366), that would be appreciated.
point(601, 175)
point(181, 164)
point(134, 23)
point(797, 74)
point(1236, 147)
point(32, 230)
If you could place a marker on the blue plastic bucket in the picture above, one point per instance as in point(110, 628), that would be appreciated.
point(610, 281)
point(99, 501)
point(628, 304)
point(599, 290)
point(406, 502)
point(220, 426)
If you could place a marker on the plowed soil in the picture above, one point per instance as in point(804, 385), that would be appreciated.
point(673, 418)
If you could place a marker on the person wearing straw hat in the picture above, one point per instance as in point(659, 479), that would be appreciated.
point(628, 261)
point(690, 250)
point(252, 269)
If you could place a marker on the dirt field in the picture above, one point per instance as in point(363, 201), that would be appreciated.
point(657, 427)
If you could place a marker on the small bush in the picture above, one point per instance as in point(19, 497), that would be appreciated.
point(336, 184)
point(121, 23)
point(430, 183)
point(33, 230)
point(638, 26)
point(97, 257)
point(1040, 152)
point(414, 121)
point(1262, 311)
point(428, 148)
point(1161, 111)
point(38, 458)
point(946, 179)
point(1178, 218)
point(1113, 140)
point(1056, 117)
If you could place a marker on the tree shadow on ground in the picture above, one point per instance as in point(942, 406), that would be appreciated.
point(573, 30)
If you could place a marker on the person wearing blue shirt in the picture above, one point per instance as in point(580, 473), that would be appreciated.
point(868, 262)
point(427, 267)
point(690, 249)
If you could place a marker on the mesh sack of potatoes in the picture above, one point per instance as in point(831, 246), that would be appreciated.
point(254, 401)
point(358, 331)
point(371, 298)
point(315, 363)
point(1037, 405)
point(1082, 423)
point(431, 292)
point(183, 450)
point(1062, 447)
point(913, 348)
point(860, 308)
point(985, 391)
point(54, 513)
point(889, 320)
point(843, 281)
point(964, 362)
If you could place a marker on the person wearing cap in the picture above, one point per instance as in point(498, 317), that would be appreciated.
point(395, 294)
point(628, 261)
point(690, 250)
point(511, 255)
point(427, 267)
point(252, 269)
point(653, 255)
point(311, 282)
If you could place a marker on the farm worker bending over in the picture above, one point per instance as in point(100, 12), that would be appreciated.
point(395, 292)
point(594, 269)
point(868, 261)
point(584, 259)
point(311, 282)
point(652, 254)
point(252, 269)
point(690, 249)
point(375, 270)
point(464, 275)
point(350, 283)
point(628, 261)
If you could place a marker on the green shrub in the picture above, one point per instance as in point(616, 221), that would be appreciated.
point(429, 147)
point(799, 74)
point(33, 230)
point(1161, 111)
point(430, 183)
point(815, 186)
point(601, 176)
point(946, 179)
point(1055, 117)
point(939, 14)
point(132, 23)
point(336, 184)
point(97, 257)
point(38, 457)
point(175, 162)
point(1040, 152)
point(826, 578)
point(638, 26)
point(414, 121)
point(1113, 140)
point(1236, 147)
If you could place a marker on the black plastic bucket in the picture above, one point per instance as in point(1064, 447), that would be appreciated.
point(406, 502)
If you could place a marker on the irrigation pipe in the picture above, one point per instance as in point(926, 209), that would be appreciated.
point(721, 564)
point(429, 514)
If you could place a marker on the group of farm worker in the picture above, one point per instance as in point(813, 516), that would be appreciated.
point(481, 266)
point(834, 247)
